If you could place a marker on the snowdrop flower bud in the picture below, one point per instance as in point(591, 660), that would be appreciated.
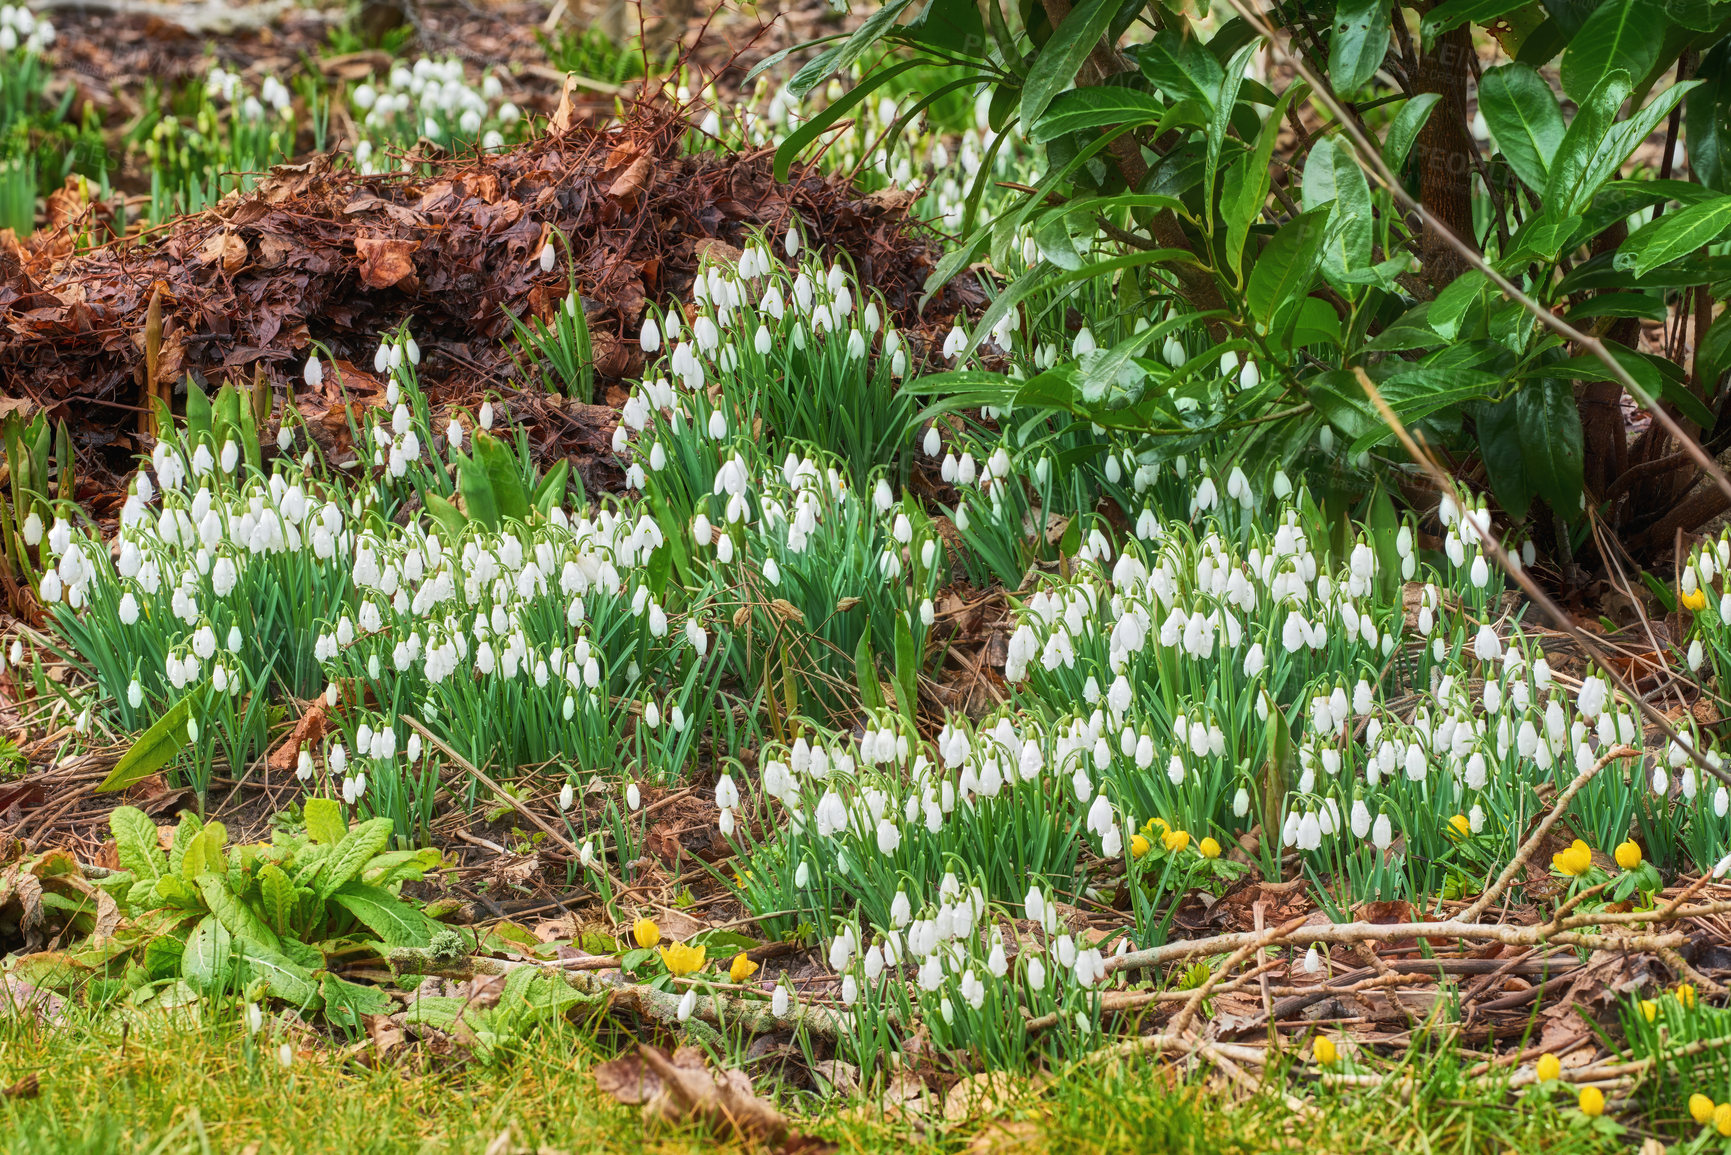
point(548, 256)
point(688, 1002)
point(1382, 833)
point(486, 417)
point(314, 372)
point(633, 797)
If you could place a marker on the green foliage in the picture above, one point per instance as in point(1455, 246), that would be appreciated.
point(264, 919)
point(1158, 147)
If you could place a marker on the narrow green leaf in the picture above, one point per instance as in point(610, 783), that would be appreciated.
point(1677, 234)
point(153, 750)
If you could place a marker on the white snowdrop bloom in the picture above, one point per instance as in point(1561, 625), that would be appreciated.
point(314, 372)
point(687, 1002)
point(547, 255)
point(1382, 834)
point(1591, 699)
point(1313, 961)
point(955, 343)
point(633, 797)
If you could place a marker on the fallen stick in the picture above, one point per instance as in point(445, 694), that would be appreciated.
point(1354, 932)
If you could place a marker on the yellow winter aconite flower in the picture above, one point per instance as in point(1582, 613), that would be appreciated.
point(1722, 1118)
point(682, 958)
point(742, 968)
point(1549, 1067)
point(1686, 995)
point(1139, 846)
point(645, 932)
point(1176, 840)
point(1701, 1107)
point(1649, 1009)
point(1629, 855)
point(1592, 1102)
point(1575, 861)
point(1324, 1050)
point(1459, 826)
point(1209, 848)
point(1695, 600)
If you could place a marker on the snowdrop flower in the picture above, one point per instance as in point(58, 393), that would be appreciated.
point(314, 372)
point(955, 343)
point(687, 1003)
point(633, 797)
point(548, 256)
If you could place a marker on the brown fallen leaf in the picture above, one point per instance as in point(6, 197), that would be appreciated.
point(26, 1088)
point(223, 249)
point(682, 1089)
point(386, 1035)
point(632, 181)
point(387, 261)
point(308, 733)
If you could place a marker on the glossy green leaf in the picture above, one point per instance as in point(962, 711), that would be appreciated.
point(1525, 120)
point(1403, 130)
point(1551, 442)
point(1620, 36)
point(1095, 107)
point(1287, 265)
point(1677, 234)
point(1061, 57)
point(1181, 66)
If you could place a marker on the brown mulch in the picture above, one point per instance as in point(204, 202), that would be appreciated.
point(316, 253)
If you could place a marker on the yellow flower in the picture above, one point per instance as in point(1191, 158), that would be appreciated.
point(1139, 846)
point(1701, 1108)
point(1209, 848)
point(1460, 826)
point(1722, 1118)
point(682, 959)
point(1592, 1102)
point(1148, 826)
point(742, 968)
point(1649, 1009)
point(1575, 861)
point(1686, 995)
point(1324, 1050)
point(1549, 1068)
point(1629, 855)
point(645, 932)
point(1696, 601)
point(1176, 840)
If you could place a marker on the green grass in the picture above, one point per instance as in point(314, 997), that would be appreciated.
point(204, 1086)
